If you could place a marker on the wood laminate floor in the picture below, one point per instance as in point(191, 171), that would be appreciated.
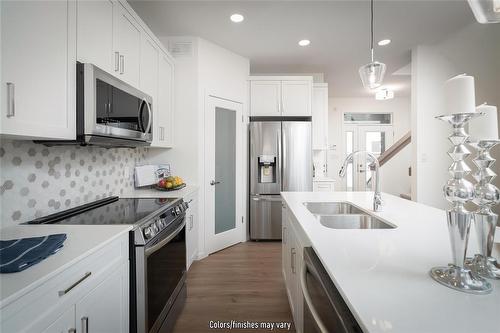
point(241, 283)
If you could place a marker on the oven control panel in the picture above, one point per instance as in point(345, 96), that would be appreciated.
point(154, 227)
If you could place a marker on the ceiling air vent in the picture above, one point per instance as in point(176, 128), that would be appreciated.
point(181, 48)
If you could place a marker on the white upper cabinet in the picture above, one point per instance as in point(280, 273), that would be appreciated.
point(165, 106)
point(38, 81)
point(296, 98)
point(265, 98)
point(126, 45)
point(41, 43)
point(320, 116)
point(95, 34)
point(149, 67)
point(280, 96)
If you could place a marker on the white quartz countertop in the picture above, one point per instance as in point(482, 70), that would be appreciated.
point(383, 274)
point(152, 193)
point(81, 241)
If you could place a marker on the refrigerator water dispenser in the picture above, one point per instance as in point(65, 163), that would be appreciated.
point(267, 168)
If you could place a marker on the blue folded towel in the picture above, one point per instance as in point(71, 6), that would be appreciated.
point(18, 254)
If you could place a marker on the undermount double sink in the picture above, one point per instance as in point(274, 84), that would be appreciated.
point(343, 215)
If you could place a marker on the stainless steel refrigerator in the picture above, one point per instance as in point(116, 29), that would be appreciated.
point(280, 160)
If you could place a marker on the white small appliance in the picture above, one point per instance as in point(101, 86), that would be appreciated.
point(149, 174)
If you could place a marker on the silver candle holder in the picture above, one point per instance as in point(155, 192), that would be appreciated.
point(485, 196)
point(458, 191)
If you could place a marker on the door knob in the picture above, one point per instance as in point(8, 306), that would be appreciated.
point(213, 182)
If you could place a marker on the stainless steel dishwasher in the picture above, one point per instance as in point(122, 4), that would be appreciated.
point(324, 308)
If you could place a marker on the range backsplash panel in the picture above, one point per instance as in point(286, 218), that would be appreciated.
point(36, 180)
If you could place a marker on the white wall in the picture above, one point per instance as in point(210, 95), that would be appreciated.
point(184, 156)
point(208, 70)
point(474, 50)
point(396, 169)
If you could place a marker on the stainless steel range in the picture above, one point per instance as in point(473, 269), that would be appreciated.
point(157, 254)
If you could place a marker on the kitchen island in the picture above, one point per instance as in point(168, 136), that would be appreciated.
point(383, 274)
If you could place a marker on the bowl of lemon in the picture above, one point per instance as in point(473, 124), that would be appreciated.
point(170, 183)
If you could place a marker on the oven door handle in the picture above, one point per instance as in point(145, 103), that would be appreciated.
point(150, 250)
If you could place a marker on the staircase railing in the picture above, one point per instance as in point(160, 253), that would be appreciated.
point(393, 150)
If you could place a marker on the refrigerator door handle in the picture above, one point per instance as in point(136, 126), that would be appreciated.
point(282, 149)
point(279, 170)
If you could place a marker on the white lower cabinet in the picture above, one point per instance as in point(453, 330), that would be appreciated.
point(292, 262)
point(192, 229)
point(91, 295)
point(105, 308)
point(323, 186)
point(64, 324)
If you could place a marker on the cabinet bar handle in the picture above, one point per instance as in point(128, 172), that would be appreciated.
point(67, 290)
point(122, 64)
point(117, 61)
point(292, 263)
point(284, 235)
point(11, 100)
point(85, 324)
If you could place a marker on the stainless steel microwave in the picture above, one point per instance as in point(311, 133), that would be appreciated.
point(109, 112)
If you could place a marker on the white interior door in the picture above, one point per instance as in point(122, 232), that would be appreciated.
point(372, 138)
point(223, 174)
point(376, 140)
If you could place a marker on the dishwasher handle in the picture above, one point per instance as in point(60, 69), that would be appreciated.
point(309, 266)
point(307, 299)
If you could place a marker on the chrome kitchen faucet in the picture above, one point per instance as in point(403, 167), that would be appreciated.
point(377, 197)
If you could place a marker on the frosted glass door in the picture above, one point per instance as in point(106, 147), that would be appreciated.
point(223, 225)
point(225, 170)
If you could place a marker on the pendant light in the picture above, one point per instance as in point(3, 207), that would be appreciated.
point(372, 74)
point(486, 11)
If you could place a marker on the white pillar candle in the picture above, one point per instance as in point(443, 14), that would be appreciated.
point(484, 127)
point(460, 95)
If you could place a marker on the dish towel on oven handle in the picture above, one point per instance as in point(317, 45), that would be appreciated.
point(18, 254)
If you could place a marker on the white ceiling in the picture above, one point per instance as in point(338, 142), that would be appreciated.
point(338, 30)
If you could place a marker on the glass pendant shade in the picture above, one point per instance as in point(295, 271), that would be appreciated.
point(372, 74)
point(486, 11)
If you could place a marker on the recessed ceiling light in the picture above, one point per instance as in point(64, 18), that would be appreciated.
point(304, 42)
point(384, 42)
point(237, 18)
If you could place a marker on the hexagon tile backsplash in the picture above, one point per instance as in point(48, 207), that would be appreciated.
point(36, 180)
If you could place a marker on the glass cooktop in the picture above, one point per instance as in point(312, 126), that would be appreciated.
point(111, 210)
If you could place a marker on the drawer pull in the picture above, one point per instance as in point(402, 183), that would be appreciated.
point(292, 261)
point(117, 61)
point(85, 324)
point(122, 64)
point(11, 100)
point(72, 330)
point(67, 290)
